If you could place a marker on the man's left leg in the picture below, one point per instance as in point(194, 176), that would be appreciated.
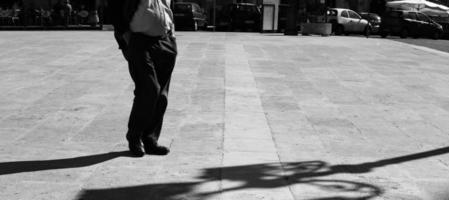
point(164, 58)
point(153, 131)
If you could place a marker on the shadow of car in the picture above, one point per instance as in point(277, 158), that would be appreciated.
point(409, 23)
point(189, 16)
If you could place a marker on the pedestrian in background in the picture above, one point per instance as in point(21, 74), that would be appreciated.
point(144, 30)
point(93, 18)
point(66, 12)
point(82, 15)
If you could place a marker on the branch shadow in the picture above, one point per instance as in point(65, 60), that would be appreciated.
point(265, 176)
point(40, 165)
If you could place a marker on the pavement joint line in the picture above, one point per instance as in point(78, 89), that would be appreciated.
point(283, 170)
point(273, 139)
point(245, 71)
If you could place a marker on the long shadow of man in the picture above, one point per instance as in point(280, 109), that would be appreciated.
point(39, 165)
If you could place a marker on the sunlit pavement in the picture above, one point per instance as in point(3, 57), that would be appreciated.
point(251, 116)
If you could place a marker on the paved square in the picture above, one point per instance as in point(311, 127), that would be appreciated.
point(251, 116)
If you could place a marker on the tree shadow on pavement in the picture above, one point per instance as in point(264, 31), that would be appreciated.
point(264, 176)
point(40, 165)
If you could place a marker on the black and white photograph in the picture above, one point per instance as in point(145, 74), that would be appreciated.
point(224, 99)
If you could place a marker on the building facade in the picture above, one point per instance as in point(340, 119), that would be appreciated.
point(91, 12)
point(49, 4)
point(52, 13)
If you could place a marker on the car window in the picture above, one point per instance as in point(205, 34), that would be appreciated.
point(411, 15)
point(251, 9)
point(354, 15)
point(344, 14)
point(246, 8)
point(423, 17)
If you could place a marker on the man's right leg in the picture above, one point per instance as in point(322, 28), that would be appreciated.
point(133, 136)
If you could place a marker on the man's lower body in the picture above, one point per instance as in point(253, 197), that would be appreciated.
point(151, 62)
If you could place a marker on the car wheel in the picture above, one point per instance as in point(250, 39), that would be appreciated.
point(404, 33)
point(339, 30)
point(367, 31)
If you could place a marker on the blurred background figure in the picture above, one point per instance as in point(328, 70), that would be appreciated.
point(66, 12)
point(82, 15)
point(45, 17)
point(5, 14)
point(16, 14)
point(93, 18)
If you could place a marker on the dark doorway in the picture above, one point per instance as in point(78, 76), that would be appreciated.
point(282, 17)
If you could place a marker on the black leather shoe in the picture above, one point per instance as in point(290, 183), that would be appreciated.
point(136, 149)
point(155, 149)
point(134, 145)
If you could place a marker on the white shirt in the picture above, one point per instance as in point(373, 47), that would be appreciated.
point(153, 18)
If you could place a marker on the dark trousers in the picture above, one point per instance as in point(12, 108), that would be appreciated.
point(151, 61)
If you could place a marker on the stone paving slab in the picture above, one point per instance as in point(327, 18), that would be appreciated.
point(250, 116)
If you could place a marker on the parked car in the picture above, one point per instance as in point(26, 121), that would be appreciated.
point(443, 21)
point(409, 23)
point(374, 20)
point(189, 15)
point(240, 17)
point(346, 21)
